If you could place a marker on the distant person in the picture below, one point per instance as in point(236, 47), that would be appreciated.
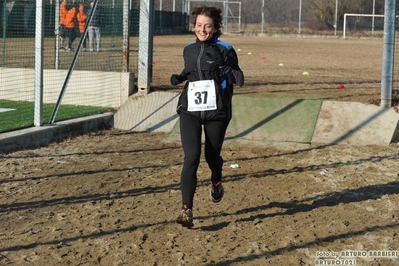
point(82, 20)
point(62, 30)
point(70, 21)
point(94, 29)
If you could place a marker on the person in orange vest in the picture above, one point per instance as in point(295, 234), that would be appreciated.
point(62, 30)
point(70, 20)
point(82, 20)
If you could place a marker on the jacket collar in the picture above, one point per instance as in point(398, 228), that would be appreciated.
point(212, 40)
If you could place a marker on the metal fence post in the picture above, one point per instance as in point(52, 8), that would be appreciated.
point(126, 36)
point(145, 45)
point(388, 52)
point(39, 40)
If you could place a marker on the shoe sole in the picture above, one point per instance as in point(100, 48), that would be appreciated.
point(213, 200)
point(185, 221)
point(187, 224)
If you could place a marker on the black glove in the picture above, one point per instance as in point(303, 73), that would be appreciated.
point(229, 73)
point(176, 79)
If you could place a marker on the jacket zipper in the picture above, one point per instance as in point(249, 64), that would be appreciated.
point(200, 75)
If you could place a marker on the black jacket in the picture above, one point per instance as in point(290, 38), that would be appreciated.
point(95, 20)
point(199, 64)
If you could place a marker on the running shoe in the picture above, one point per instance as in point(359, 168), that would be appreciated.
point(185, 218)
point(217, 192)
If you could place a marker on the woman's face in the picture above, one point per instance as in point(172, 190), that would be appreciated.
point(204, 28)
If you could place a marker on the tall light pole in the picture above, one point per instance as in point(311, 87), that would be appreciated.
point(336, 18)
point(174, 9)
point(263, 14)
point(160, 14)
point(372, 20)
point(300, 17)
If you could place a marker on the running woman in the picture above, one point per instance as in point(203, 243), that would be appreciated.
point(210, 71)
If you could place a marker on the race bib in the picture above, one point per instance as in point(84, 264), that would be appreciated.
point(201, 96)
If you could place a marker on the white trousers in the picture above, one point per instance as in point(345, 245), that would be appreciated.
point(95, 31)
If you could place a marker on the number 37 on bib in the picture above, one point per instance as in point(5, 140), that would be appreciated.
point(201, 96)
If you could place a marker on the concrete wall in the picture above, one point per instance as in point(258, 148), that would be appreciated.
point(93, 88)
point(34, 137)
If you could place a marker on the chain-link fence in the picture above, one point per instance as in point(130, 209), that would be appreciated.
point(395, 79)
point(104, 79)
point(99, 80)
point(291, 16)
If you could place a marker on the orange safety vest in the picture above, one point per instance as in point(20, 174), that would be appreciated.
point(82, 18)
point(70, 18)
point(63, 13)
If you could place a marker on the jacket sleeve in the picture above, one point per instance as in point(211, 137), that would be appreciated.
point(232, 61)
point(183, 74)
point(70, 18)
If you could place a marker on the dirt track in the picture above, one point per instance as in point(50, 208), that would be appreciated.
point(111, 198)
point(355, 63)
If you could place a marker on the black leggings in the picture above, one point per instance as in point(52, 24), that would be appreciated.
point(71, 36)
point(190, 132)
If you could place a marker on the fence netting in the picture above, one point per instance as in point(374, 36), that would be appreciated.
point(395, 81)
point(99, 79)
point(95, 77)
point(289, 16)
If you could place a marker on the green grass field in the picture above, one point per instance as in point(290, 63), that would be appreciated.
point(19, 115)
point(20, 53)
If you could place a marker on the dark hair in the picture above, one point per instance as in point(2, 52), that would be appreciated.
point(212, 12)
